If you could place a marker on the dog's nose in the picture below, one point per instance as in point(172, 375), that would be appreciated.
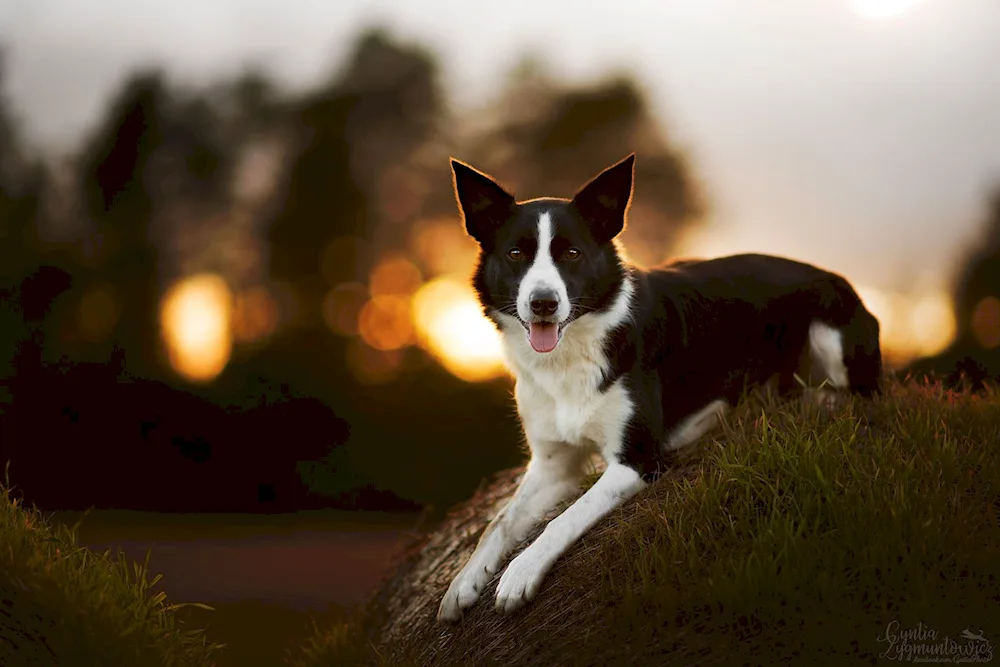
point(544, 304)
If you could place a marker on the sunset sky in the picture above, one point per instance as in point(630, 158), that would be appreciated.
point(859, 134)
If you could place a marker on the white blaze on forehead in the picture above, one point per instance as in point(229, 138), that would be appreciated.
point(543, 275)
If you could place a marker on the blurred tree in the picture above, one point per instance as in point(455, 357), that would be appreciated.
point(397, 110)
point(979, 277)
point(974, 356)
point(118, 196)
point(194, 163)
point(254, 103)
point(156, 179)
point(22, 301)
point(549, 138)
point(354, 137)
point(22, 180)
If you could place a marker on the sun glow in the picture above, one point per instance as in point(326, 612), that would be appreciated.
point(195, 321)
point(911, 325)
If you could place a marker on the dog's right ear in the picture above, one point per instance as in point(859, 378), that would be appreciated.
point(484, 204)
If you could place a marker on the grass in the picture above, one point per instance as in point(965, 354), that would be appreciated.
point(61, 604)
point(794, 536)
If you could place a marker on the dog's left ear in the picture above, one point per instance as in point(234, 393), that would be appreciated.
point(604, 200)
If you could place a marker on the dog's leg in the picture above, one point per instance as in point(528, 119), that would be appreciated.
point(551, 477)
point(699, 424)
point(521, 581)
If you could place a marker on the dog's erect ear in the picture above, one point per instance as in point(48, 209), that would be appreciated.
point(604, 201)
point(484, 204)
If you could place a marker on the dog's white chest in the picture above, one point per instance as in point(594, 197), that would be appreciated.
point(564, 403)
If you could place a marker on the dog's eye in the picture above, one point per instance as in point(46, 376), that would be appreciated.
point(573, 253)
point(515, 254)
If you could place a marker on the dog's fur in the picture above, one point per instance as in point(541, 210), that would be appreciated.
point(628, 363)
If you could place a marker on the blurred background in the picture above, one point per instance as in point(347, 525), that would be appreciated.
point(232, 273)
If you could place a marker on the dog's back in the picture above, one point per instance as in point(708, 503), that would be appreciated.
point(736, 321)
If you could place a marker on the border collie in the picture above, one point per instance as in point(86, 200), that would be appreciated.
point(628, 363)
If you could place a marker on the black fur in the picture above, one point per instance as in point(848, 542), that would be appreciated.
point(711, 329)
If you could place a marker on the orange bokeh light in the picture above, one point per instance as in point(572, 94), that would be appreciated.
point(385, 324)
point(911, 326)
point(444, 247)
point(255, 315)
point(195, 321)
point(450, 324)
point(342, 307)
point(394, 276)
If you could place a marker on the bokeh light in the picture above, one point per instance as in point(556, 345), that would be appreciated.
point(911, 326)
point(450, 324)
point(932, 323)
point(444, 247)
point(255, 315)
point(342, 307)
point(195, 320)
point(385, 324)
point(986, 323)
point(394, 276)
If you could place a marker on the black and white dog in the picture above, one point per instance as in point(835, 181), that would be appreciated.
point(628, 363)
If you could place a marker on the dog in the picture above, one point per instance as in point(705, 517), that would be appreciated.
point(628, 363)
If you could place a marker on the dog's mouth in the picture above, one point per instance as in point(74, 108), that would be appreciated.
point(543, 336)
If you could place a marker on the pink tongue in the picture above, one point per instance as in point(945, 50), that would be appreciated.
point(543, 336)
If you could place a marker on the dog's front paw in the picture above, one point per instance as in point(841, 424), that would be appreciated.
point(462, 594)
point(521, 581)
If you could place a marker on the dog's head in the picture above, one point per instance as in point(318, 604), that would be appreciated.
point(544, 263)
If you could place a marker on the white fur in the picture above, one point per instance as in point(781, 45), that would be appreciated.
point(826, 344)
point(698, 424)
point(558, 393)
point(547, 482)
point(566, 418)
point(523, 577)
point(543, 275)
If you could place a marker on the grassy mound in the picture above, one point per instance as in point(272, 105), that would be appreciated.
point(61, 604)
point(793, 535)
